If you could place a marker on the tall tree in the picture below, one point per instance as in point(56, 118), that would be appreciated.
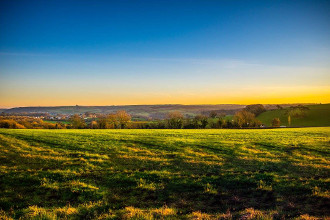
point(123, 118)
point(175, 120)
point(244, 118)
point(77, 122)
point(200, 121)
point(93, 125)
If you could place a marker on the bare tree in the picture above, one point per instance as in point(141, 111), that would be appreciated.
point(123, 118)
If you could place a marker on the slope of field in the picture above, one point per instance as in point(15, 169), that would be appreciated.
point(317, 116)
point(165, 174)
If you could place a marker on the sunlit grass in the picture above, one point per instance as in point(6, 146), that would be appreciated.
point(165, 174)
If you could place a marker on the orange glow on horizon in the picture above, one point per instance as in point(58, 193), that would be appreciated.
point(243, 96)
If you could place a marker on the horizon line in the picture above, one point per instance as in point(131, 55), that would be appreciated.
point(50, 106)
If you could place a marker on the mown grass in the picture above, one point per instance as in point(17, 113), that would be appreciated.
point(317, 116)
point(165, 174)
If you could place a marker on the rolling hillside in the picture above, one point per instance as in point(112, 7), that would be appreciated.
point(137, 111)
point(2, 109)
point(318, 116)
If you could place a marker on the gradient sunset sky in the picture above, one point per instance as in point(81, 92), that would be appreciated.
point(164, 52)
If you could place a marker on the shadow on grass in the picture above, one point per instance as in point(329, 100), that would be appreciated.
point(172, 180)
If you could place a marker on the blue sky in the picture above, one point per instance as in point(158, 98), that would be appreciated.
point(157, 52)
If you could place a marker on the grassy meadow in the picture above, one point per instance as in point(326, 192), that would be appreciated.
point(165, 174)
point(317, 116)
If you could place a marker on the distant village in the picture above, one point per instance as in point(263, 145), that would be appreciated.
point(54, 116)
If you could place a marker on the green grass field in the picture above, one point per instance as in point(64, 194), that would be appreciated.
point(165, 174)
point(317, 116)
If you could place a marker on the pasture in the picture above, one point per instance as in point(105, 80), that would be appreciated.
point(165, 174)
point(317, 116)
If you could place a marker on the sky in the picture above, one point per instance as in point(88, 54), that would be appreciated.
point(164, 52)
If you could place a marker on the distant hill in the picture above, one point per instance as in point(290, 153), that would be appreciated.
point(318, 115)
point(137, 111)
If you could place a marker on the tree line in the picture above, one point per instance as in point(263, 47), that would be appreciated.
point(245, 118)
point(174, 120)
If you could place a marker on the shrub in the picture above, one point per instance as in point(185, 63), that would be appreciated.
point(276, 122)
